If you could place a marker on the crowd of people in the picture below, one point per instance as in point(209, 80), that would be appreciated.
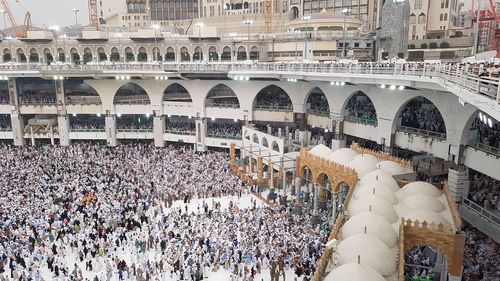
point(86, 123)
point(420, 113)
point(134, 122)
point(89, 212)
point(482, 255)
point(318, 103)
point(37, 97)
point(419, 263)
point(180, 126)
point(484, 190)
point(224, 102)
point(224, 129)
point(273, 99)
point(360, 106)
point(5, 122)
point(485, 134)
point(4, 96)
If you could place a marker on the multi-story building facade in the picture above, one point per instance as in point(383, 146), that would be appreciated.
point(431, 19)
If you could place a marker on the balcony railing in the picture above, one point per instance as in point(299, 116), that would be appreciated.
point(220, 105)
point(365, 121)
point(38, 103)
point(425, 133)
point(324, 113)
point(87, 130)
point(134, 130)
point(224, 137)
point(184, 133)
point(485, 148)
point(133, 101)
point(482, 212)
point(286, 108)
point(5, 129)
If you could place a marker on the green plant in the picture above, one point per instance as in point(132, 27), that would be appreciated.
point(423, 46)
point(433, 45)
point(444, 45)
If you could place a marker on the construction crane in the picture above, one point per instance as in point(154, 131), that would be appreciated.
point(93, 16)
point(488, 18)
point(20, 32)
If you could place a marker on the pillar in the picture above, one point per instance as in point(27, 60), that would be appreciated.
point(17, 124)
point(269, 129)
point(260, 166)
point(250, 162)
point(201, 133)
point(63, 124)
point(271, 177)
point(458, 182)
point(110, 122)
point(323, 196)
point(315, 217)
point(454, 278)
point(309, 186)
point(158, 129)
point(283, 194)
point(338, 140)
point(280, 132)
point(32, 136)
point(298, 203)
point(334, 209)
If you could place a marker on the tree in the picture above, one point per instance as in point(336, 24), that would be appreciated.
point(433, 45)
point(423, 46)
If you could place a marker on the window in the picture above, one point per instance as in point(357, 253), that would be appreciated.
point(418, 4)
point(413, 19)
point(440, 17)
point(422, 19)
point(445, 17)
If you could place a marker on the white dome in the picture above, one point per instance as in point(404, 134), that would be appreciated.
point(378, 190)
point(375, 225)
point(363, 164)
point(342, 156)
point(354, 272)
point(423, 201)
point(373, 252)
point(425, 215)
point(391, 167)
point(380, 176)
point(321, 150)
point(378, 205)
point(419, 187)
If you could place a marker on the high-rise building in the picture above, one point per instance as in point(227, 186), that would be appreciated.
point(432, 19)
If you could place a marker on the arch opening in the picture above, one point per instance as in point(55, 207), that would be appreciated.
point(317, 103)
point(77, 92)
point(222, 96)
point(360, 109)
point(421, 116)
point(273, 98)
point(484, 136)
point(131, 93)
point(176, 93)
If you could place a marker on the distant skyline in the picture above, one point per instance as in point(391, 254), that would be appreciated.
point(48, 12)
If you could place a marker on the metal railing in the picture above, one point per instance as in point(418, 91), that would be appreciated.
point(184, 133)
point(485, 148)
point(480, 211)
point(87, 130)
point(38, 103)
point(132, 101)
point(5, 129)
point(420, 132)
point(134, 130)
point(286, 108)
point(223, 137)
point(324, 113)
point(365, 121)
point(220, 105)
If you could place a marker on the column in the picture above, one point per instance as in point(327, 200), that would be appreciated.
point(271, 177)
point(298, 203)
point(334, 209)
point(201, 133)
point(458, 182)
point(315, 217)
point(110, 122)
point(158, 129)
point(269, 129)
point(283, 194)
point(63, 124)
point(309, 187)
point(17, 124)
point(250, 161)
point(323, 196)
point(280, 132)
point(338, 140)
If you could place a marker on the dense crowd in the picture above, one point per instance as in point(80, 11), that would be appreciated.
point(484, 190)
point(39, 97)
point(224, 129)
point(482, 256)
point(486, 135)
point(224, 102)
point(420, 113)
point(318, 103)
point(87, 123)
point(277, 99)
point(93, 212)
point(418, 263)
point(5, 122)
point(180, 126)
point(134, 122)
point(4, 97)
point(360, 106)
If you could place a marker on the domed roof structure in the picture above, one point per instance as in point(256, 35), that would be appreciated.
point(374, 204)
point(372, 251)
point(391, 167)
point(419, 187)
point(423, 202)
point(354, 272)
point(380, 176)
point(363, 164)
point(321, 150)
point(374, 225)
point(425, 215)
point(342, 156)
point(378, 190)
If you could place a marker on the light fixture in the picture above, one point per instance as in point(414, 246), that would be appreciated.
point(61, 78)
point(74, 114)
point(235, 120)
point(401, 88)
point(247, 78)
point(119, 114)
point(147, 115)
point(337, 83)
point(490, 123)
point(98, 114)
point(117, 77)
point(326, 130)
point(481, 116)
point(168, 116)
point(393, 87)
point(332, 83)
point(342, 83)
point(128, 77)
point(189, 116)
point(156, 77)
point(213, 118)
point(382, 86)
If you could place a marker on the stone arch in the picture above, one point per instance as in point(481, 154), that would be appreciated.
point(479, 133)
point(254, 53)
point(142, 54)
point(226, 54)
point(359, 108)
point(34, 57)
point(318, 102)
point(175, 92)
point(222, 95)
point(79, 92)
point(198, 53)
point(212, 54)
point(47, 55)
point(129, 54)
point(170, 54)
point(294, 13)
point(273, 97)
point(156, 54)
point(255, 138)
point(432, 121)
point(7, 56)
point(115, 54)
point(101, 54)
point(87, 55)
point(241, 53)
point(75, 56)
point(264, 142)
point(184, 53)
point(131, 93)
point(21, 56)
point(275, 146)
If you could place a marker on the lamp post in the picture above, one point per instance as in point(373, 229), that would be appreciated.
point(306, 19)
point(155, 27)
point(199, 25)
point(345, 11)
point(75, 10)
point(248, 23)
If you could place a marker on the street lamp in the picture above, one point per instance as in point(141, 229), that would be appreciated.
point(306, 19)
point(345, 11)
point(75, 10)
point(155, 27)
point(248, 23)
point(199, 25)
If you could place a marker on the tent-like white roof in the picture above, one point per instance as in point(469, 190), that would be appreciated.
point(377, 205)
point(380, 176)
point(378, 190)
point(321, 150)
point(354, 272)
point(374, 225)
point(418, 187)
point(372, 251)
point(342, 156)
point(423, 202)
point(392, 168)
point(363, 164)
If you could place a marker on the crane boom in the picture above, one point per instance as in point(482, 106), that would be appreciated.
point(93, 17)
point(12, 20)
